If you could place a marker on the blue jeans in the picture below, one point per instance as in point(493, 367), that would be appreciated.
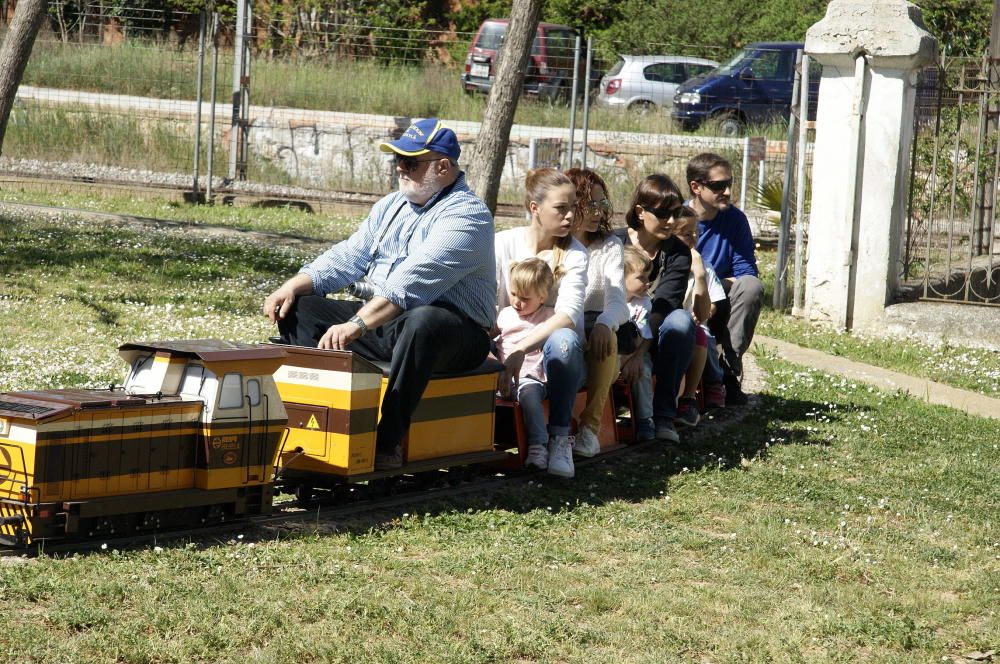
point(566, 372)
point(673, 355)
point(530, 394)
point(713, 370)
point(642, 395)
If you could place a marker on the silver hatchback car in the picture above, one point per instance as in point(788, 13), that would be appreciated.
point(648, 82)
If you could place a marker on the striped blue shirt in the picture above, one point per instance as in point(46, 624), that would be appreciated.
point(413, 255)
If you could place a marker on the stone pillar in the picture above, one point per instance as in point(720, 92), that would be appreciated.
point(871, 52)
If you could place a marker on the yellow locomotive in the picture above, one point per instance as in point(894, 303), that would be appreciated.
point(192, 437)
point(197, 432)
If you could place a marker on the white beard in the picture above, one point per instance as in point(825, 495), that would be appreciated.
point(420, 191)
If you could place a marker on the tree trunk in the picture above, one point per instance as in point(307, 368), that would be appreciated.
point(28, 17)
point(490, 151)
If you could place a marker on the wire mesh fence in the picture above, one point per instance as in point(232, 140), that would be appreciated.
point(119, 90)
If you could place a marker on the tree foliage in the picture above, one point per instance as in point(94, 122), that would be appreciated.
point(394, 29)
point(961, 26)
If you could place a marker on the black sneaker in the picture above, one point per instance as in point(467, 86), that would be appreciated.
point(734, 392)
point(389, 460)
point(687, 412)
point(665, 430)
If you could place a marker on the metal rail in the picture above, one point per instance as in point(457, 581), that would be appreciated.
point(331, 202)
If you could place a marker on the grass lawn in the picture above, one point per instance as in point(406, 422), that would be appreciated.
point(837, 523)
point(967, 368)
point(975, 369)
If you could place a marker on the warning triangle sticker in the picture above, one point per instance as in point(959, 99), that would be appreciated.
point(312, 423)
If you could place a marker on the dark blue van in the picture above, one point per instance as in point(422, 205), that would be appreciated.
point(754, 87)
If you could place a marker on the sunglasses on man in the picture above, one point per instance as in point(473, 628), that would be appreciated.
point(410, 164)
point(718, 186)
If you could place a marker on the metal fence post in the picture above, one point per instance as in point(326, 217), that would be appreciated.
point(586, 101)
point(794, 115)
point(743, 175)
point(241, 93)
point(800, 186)
point(211, 117)
point(198, 97)
point(572, 100)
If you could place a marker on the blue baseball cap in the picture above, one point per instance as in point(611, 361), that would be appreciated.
point(425, 136)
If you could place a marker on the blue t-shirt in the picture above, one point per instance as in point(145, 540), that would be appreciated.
point(726, 244)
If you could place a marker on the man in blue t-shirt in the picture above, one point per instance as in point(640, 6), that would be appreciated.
point(725, 243)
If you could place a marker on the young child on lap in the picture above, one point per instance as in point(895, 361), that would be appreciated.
point(704, 290)
point(637, 367)
point(530, 282)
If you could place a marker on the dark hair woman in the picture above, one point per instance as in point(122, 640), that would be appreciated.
point(652, 214)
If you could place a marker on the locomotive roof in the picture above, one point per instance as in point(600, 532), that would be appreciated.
point(28, 408)
point(47, 404)
point(209, 350)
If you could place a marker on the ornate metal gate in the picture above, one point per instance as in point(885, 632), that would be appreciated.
point(952, 241)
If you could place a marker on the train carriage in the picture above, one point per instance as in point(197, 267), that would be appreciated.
point(333, 399)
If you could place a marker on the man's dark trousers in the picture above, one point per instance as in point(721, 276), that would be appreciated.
point(417, 343)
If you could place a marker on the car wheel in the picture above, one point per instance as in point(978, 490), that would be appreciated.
point(642, 107)
point(729, 125)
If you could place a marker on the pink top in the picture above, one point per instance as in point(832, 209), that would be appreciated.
point(513, 328)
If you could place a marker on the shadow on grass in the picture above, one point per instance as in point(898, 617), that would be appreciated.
point(635, 474)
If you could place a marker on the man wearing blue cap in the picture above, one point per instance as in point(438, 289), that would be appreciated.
point(426, 252)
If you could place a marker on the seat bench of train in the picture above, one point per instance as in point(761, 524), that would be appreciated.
point(333, 400)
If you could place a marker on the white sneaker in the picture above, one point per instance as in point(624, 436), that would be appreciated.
point(561, 456)
point(586, 444)
point(538, 457)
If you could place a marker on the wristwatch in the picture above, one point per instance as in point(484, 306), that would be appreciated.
point(357, 320)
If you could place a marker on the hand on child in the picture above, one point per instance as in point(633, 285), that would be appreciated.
point(509, 376)
point(632, 369)
point(600, 341)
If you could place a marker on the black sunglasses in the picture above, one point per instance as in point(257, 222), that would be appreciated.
point(718, 186)
point(410, 164)
point(664, 214)
point(603, 205)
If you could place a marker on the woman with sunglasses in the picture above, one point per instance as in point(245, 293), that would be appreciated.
point(652, 216)
point(604, 302)
point(550, 199)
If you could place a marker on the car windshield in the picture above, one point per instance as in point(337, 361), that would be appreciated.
point(616, 69)
point(735, 64)
point(491, 36)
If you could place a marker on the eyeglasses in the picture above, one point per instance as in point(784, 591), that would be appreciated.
point(718, 186)
point(410, 164)
point(603, 205)
point(665, 214)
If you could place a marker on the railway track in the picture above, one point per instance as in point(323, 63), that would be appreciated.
point(413, 491)
point(334, 203)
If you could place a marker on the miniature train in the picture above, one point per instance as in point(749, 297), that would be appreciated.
point(203, 431)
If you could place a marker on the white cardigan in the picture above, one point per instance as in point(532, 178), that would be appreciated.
point(606, 282)
point(567, 295)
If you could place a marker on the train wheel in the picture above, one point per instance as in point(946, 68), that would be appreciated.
point(304, 495)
